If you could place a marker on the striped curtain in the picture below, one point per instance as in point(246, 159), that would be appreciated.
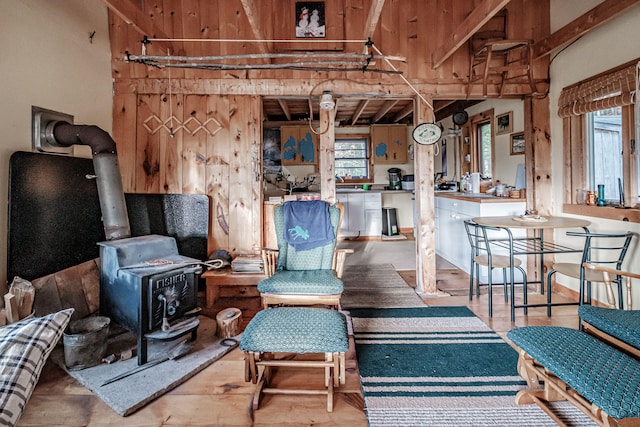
point(614, 88)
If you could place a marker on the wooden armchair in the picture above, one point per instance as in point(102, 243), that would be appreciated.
point(311, 277)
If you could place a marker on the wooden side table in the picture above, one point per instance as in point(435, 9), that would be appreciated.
point(225, 277)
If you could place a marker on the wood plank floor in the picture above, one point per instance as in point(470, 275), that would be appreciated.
point(218, 396)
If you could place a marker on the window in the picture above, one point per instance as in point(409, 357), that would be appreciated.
point(604, 151)
point(351, 158)
point(484, 149)
point(600, 147)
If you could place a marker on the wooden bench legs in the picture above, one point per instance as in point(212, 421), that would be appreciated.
point(332, 363)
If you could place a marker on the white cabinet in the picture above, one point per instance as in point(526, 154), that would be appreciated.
point(452, 242)
point(362, 214)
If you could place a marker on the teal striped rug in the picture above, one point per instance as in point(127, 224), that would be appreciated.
point(441, 366)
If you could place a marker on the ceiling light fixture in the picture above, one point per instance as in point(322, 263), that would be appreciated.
point(326, 102)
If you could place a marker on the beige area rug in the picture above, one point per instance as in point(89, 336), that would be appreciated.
point(376, 286)
point(400, 253)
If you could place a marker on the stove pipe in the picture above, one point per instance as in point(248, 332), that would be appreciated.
point(105, 164)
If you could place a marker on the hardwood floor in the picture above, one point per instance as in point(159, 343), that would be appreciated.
point(218, 396)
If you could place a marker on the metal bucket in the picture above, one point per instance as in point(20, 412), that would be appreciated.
point(85, 342)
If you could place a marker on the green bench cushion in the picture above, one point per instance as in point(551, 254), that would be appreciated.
point(621, 324)
point(302, 282)
point(603, 375)
point(296, 330)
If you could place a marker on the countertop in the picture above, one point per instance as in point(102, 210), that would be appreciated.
point(477, 197)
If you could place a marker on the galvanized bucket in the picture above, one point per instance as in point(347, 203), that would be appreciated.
point(85, 342)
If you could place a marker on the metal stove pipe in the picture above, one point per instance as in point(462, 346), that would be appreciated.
point(105, 164)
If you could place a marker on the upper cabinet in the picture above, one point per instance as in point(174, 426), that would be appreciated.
point(299, 145)
point(389, 143)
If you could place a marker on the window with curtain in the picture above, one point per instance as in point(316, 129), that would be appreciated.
point(599, 136)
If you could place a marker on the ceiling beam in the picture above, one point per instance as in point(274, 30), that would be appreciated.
point(403, 113)
point(372, 19)
point(140, 22)
point(250, 7)
point(285, 108)
point(439, 105)
point(388, 105)
point(476, 19)
point(359, 110)
point(595, 17)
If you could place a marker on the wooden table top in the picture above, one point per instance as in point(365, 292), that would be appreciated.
point(548, 222)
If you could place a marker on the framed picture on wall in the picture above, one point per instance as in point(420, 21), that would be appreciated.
point(517, 143)
point(504, 123)
point(310, 19)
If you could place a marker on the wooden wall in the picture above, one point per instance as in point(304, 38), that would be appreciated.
point(196, 131)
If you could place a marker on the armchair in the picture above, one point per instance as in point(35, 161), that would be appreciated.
point(303, 277)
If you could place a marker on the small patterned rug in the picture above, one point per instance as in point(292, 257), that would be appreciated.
point(441, 366)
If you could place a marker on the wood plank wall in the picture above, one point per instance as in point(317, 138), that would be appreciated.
point(195, 131)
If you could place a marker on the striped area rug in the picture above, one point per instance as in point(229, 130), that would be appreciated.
point(441, 366)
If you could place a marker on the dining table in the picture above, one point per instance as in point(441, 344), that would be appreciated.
point(533, 243)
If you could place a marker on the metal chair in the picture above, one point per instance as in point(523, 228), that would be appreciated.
point(303, 277)
point(482, 255)
point(604, 249)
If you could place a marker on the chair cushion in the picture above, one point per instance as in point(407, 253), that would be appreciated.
point(296, 330)
point(24, 349)
point(497, 261)
point(302, 282)
point(622, 324)
point(573, 270)
point(601, 374)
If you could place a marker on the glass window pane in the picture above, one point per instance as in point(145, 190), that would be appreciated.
point(351, 158)
point(484, 145)
point(604, 131)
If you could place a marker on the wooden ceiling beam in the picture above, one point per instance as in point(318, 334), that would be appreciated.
point(359, 110)
point(403, 113)
point(595, 17)
point(476, 19)
point(388, 105)
point(250, 7)
point(372, 19)
point(285, 108)
point(140, 22)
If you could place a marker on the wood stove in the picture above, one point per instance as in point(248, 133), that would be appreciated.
point(149, 289)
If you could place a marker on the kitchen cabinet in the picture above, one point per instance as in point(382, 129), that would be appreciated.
point(451, 238)
point(362, 214)
point(299, 145)
point(389, 143)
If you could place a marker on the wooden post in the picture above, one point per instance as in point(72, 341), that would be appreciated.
point(425, 203)
point(327, 155)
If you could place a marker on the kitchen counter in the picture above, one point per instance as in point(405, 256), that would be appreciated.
point(477, 197)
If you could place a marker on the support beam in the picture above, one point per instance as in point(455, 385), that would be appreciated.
point(327, 155)
point(388, 105)
point(359, 110)
point(285, 108)
point(595, 17)
point(476, 19)
point(250, 7)
point(403, 113)
point(139, 21)
point(372, 19)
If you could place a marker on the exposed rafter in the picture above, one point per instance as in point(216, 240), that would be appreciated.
point(359, 110)
point(595, 17)
point(285, 108)
point(139, 21)
point(385, 108)
point(249, 7)
point(476, 19)
point(403, 113)
point(373, 18)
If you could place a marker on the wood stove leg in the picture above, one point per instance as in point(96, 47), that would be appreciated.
point(142, 349)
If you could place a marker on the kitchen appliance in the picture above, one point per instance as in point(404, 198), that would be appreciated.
point(408, 183)
point(149, 289)
point(395, 179)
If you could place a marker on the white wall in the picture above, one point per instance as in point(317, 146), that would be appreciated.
point(611, 45)
point(48, 61)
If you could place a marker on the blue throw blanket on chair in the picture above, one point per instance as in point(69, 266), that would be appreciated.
point(307, 224)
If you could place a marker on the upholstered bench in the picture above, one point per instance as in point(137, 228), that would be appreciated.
point(298, 330)
point(599, 379)
point(620, 328)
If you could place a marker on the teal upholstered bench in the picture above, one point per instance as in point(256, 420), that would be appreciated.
point(572, 363)
point(298, 330)
point(620, 328)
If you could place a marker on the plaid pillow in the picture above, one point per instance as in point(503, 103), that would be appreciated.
point(24, 349)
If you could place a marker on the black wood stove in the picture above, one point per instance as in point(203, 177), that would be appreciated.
point(149, 289)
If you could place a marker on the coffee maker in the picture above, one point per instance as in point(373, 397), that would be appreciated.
point(395, 179)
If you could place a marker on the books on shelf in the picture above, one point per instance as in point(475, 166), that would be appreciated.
point(247, 263)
